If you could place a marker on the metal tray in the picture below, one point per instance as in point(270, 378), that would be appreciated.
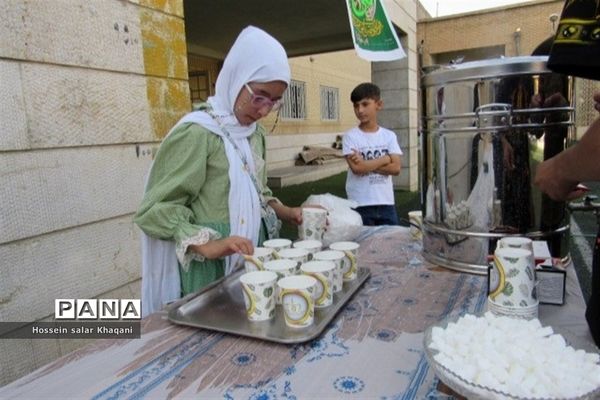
point(220, 307)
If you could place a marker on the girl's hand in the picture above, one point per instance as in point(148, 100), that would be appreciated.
point(224, 247)
point(295, 215)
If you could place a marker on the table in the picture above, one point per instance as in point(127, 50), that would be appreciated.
point(372, 349)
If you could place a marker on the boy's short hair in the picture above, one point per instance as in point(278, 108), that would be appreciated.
point(365, 90)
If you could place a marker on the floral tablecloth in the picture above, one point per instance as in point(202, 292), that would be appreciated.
point(372, 349)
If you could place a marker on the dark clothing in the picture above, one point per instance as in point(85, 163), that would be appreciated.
point(576, 52)
point(378, 215)
point(576, 47)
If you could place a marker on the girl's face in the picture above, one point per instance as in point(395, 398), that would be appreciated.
point(256, 100)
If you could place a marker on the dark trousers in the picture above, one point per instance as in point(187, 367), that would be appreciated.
point(592, 313)
point(378, 215)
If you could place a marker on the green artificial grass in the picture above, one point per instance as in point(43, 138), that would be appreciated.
point(296, 194)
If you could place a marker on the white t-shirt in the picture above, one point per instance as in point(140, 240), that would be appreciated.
point(372, 188)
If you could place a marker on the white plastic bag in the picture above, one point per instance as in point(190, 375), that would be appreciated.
point(343, 222)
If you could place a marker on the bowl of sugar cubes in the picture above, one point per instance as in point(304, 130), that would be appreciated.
point(498, 357)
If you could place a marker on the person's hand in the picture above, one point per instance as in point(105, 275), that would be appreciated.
point(355, 157)
point(224, 247)
point(295, 215)
point(548, 178)
point(537, 101)
point(597, 101)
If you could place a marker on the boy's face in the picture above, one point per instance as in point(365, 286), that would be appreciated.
point(366, 110)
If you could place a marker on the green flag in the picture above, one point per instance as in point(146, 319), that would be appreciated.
point(372, 33)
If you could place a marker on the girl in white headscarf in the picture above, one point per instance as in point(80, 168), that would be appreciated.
point(206, 199)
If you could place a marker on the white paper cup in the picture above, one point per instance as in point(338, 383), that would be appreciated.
point(516, 278)
point(295, 254)
point(255, 261)
point(314, 221)
point(416, 222)
point(338, 258)
point(529, 312)
point(322, 271)
point(516, 242)
point(313, 246)
point(278, 244)
point(297, 298)
point(282, 267)
point(349, 264)
point(259, 294)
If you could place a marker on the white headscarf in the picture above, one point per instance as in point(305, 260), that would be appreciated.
point(254, 57)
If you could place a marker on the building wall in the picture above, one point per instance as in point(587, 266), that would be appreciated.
point(342, 70)
point(89, 87)
point(399, 84)
point(472, 33)
point(495, 27)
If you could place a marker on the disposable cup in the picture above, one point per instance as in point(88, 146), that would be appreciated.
point(297, 298)
point(258, 288)
point(278, 244)
point(516, 242)
point(349, 264)
point(312, 246)
point(338, 258)
point(322, 271)
point(255, 261)
point(314, 221)
point(416, 221)
point(295, 254)
point(514, 273)
point(282, 268)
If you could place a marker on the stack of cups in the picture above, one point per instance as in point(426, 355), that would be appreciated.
point(512, 283)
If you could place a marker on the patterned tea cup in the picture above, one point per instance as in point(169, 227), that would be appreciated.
point(259, 294)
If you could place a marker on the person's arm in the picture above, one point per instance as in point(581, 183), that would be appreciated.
point(360, 166)
point(559, 176)
point(177, 177)
point(286, 213)
point(392, 168)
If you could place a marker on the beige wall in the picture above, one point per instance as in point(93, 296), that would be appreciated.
point(469, 33)
point(343, 70)
point(489, 28)
point(89, 87)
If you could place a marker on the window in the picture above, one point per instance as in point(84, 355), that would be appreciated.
point(294, 101)
point(329, 103)
point(199, 90)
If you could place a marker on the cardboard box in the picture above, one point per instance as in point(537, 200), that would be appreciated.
point(551, 286)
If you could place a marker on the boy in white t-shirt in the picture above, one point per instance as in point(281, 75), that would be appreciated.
point(373, 155)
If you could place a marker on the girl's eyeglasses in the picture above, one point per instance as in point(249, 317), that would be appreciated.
point(259, 101)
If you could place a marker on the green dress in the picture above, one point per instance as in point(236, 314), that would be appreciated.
point(186, 198)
